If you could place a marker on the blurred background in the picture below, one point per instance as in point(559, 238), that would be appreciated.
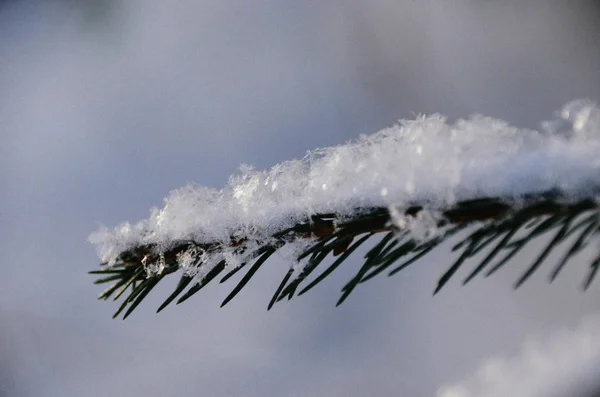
point(107, 105)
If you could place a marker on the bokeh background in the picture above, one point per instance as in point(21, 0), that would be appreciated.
point(107, 105)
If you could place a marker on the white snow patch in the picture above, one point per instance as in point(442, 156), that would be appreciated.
point(565, 365)
point(425, 160)
point(422, 226)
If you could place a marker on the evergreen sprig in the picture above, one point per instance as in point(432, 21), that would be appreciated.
point(498, 228)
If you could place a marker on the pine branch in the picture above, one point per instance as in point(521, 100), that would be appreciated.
point(238, 228)
point(498, 227)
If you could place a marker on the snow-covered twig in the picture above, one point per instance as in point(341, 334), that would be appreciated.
point(418, 183)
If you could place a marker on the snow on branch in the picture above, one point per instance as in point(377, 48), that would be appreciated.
point(419, 182)
point(565, 364)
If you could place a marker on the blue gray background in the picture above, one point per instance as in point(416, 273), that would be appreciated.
point(106, 106)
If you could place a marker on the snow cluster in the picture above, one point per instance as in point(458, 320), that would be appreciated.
point(565, 365)
point(425, 161)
